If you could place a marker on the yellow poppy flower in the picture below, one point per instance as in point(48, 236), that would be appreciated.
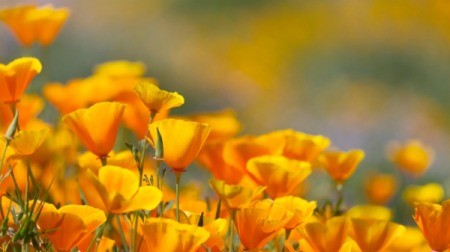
point(156, 99)
point(380, 188)
point(224, 124)
point(431, 193)
point(374, 235)
point(370, 212)
point(326, 236)
point(26, 143)
point(301, 209)
point(280, 175)
point(182, 141)
point(301, 146)
point(120, 68)
point(413, 157)
point(235, 196)
point(120, 192)
point(97, 126)
point(259, 223)
point(341, 165)
point(16, 76)
point(70, 225)
point(411, 240)
point(166, 235)
point(434, 222)
point(32, 24)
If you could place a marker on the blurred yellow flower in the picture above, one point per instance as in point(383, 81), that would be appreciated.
point(300, 208)
point(32, 24)
point(374, 235)
point(157, 100)
point(26, 143)
point(16, 76)
point(380, 188)
point(370, 212)
point(411, 240)
point(166, 235)
point(120, 68)
point(431, 193)
point(235, 196)
point(341, 165)
point(70, 225)
point(224, 124)
point(280, 175)
point(412, 157)
point(434, 222)
point(326, 236)
point(29, 106)
point(97, 126)
point(301, 146)
point(182, 141)
point(259, 223)
point(120, 192)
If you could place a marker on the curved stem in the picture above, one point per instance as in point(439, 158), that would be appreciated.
point(177, 194)
point(3, 157)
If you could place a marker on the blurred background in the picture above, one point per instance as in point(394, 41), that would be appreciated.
point(362, 73)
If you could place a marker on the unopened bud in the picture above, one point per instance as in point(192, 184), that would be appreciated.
point(9, 135)
point(159, 147)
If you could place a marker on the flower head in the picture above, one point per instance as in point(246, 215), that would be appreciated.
point(32, 24)
point(182, 141)
point(434, 222)
point(16, 76)
point(235, 196)
point(156, 99)
point(97, 126)
point(412, 157)
point(341, 165)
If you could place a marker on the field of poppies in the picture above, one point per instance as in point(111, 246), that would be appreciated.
point(117, 170)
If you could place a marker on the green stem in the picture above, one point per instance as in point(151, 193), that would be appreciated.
point(99, 233)
point(177, 194)
point(134, 232)
point(3, 157)
point(339, 200)
point(104, 161)
point(122, 236)
point(231, 228)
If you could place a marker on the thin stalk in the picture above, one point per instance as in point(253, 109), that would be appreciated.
point(134, 231)
point(177, 193)
point(122, 236)
point(231, 228)
point(3, 156)
point(99, 233)
point(104, 160)
point(340, 198)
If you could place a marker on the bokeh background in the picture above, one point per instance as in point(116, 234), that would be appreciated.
point(363, 73)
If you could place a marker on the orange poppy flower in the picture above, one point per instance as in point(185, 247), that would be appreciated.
point(168, 235)
point(97, 126)
point(32, 24)
point(16, 76)
point(413, 157)
point(259, 223)
point(434, 222)
point(235, 196)
point(380, 188)
point(374, 235)
point(326, 236)
point(301, 209)
point(182, 141)
point(26, 143)
point(341, 165)
point(70, 225)
point(281, 176)
point(431, 193)
point(156, 99)
point(120, 192)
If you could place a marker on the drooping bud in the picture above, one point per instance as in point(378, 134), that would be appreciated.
point(13, 126)
point(159, 147)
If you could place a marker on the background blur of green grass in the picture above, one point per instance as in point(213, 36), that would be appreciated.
point(360, 72)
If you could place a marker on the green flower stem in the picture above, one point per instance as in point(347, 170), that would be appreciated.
point(340, 199)
point(134, 232)
point(122, 236)
point(99, 233)
point(231, 228)
point(177, 193)
point(3, 157)
point(104, 160)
